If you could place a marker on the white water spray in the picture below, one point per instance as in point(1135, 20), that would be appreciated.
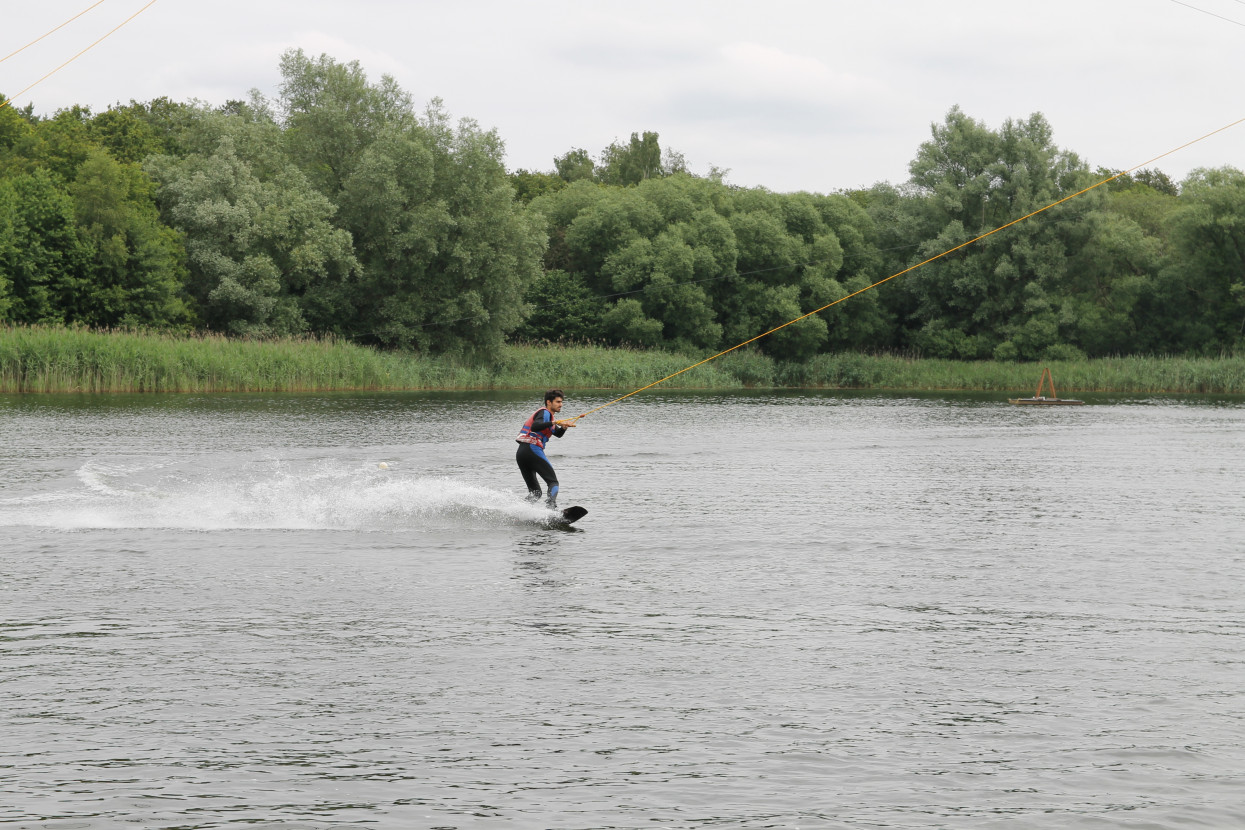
point(278, 494)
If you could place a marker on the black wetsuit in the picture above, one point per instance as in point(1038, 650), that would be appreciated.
point(531, 456)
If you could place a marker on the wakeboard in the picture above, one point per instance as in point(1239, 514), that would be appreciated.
point(568, 516)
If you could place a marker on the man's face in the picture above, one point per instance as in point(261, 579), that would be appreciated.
point(555, 405)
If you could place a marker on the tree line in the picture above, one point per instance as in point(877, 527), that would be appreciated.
point(339, 208)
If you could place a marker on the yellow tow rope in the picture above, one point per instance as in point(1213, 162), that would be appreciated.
point(5, 103)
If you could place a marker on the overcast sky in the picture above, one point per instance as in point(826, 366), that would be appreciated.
point(816, 95)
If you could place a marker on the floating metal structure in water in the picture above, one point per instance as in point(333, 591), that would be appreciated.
point(1039, 399)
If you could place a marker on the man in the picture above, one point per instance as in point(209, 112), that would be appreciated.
point(538, 429)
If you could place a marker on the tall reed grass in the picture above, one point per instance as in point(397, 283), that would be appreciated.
point(1121, 375)
point(59, 359)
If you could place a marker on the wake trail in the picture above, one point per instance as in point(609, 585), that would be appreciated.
point(327, 494)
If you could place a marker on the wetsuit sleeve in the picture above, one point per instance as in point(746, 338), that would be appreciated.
point(545, 421)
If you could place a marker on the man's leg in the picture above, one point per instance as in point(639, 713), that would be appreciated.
point(545, 470)
point(526, 460)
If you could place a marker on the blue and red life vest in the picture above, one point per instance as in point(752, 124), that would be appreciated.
point(536, 438)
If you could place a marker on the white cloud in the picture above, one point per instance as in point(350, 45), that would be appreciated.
point(761, 70)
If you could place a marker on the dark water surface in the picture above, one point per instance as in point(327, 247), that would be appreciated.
point(782, 611)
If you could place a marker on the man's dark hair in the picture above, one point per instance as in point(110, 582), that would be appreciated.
point(553, 393)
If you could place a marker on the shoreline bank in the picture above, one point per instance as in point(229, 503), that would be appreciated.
point(62, 360)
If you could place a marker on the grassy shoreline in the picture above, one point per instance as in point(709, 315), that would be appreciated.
point(49, 359)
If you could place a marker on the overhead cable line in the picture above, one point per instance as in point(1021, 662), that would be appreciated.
point(914, 267)
point(75, 57)
point(1212, 14)
point(45, 34)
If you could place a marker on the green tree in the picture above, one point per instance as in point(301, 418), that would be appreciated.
point(263, 255)
point(126, 134)
point(607, 220)
point(82, 240)
point(1201, 296)
point(999, 290)
point(765, 291)
point(528, 185)
point(445, 251)
point(1145, 206)
point(1111, 272)
point(1153, 180)
point(562, 309)
point(633, 162)
point(41, 251)
point(136, 271)
point(672, 310)
point(15, 135)
point(167, 123)
point(626, 324)
point(331, 113)
point(62, 142)
point(8, 248)
point(575, 165)
point(690, 263)
point(447, 254)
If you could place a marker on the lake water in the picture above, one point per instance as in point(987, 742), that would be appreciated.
point(782, 611)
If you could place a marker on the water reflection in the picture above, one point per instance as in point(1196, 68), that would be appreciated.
point(535, 562)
